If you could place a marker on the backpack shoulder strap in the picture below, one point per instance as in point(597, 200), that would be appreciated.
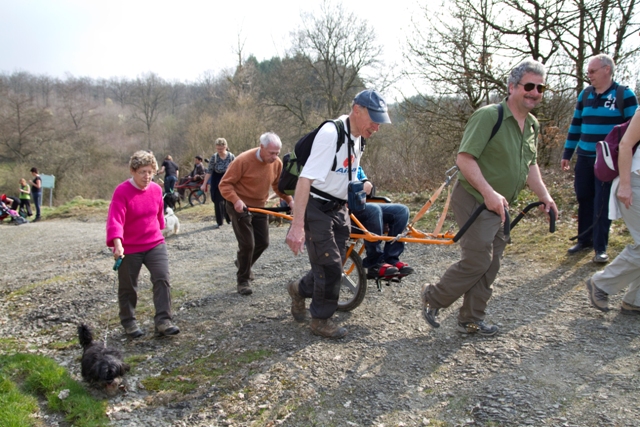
point(586, 102)
point(620, 99)
point(341, 133)
point(496, 127)
point(341, 136)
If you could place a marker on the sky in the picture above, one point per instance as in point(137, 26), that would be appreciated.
point(178, 40)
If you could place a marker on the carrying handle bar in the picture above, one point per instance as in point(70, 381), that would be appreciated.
point(552, 216)
point(508, 224)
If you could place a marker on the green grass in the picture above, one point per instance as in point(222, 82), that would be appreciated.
point(16, 408)
point(63, 345)
point(78, 207)
point(188, 377)
point(23, 377)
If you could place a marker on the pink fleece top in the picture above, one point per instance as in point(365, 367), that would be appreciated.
point(136, 217)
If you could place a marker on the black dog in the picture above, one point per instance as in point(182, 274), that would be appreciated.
point(170, 200)
point(100, 365)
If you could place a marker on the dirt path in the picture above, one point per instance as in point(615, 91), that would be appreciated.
point(243, 361)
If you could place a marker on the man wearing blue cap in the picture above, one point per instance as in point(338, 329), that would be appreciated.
point(320, 215)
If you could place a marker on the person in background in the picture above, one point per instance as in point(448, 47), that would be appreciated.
point(624, 270)
point(493, 170)
point(12, 202)
point(25, 198)
point(171, 173)
point(218, 165)
point(246, 184)
point(197, 174)
point(597, 112)
point(36, 192)
point(134, 224)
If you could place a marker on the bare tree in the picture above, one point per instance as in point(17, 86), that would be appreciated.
point(456, 58)
point(23, 126)
point(336, 47)
point(76, 100)
point(120, 90)
point(147, 100)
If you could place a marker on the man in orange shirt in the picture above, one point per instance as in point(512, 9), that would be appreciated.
point(246, 184)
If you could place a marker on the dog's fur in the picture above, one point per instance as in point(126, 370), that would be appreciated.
point(170, 200)
point(100, 365)
point(171, 223)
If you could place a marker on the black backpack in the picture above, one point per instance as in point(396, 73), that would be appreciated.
point(293, 162)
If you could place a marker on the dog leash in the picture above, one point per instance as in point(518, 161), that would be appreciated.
point(116, 266)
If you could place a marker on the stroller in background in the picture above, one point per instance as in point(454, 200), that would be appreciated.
point(5, 212)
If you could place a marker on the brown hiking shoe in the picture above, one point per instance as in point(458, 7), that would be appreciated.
point(599, 298)
point(245, 289)
point(298, 311)
point(167, 328)
point(630, 309)
point(326, 328)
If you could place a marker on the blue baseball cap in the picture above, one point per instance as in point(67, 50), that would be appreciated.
point(373, 102)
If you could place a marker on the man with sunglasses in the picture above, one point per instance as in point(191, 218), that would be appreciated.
point(597, 111)
point(494, 169)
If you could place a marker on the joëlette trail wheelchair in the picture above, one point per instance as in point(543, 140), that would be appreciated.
point(190, 189)
point(354, 278)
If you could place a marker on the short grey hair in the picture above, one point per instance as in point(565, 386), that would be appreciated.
point(270, 138)
point(142, 158)
point(526, 66)
point(605, 60)
point(221, 142)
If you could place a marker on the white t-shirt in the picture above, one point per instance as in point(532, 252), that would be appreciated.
point(320, 161)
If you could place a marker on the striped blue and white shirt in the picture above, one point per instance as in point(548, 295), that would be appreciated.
point(594, 119)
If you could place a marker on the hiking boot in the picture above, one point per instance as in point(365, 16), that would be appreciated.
point(381, 271)
point(599, 298)
point(579, 247)
point(601, 258)
point(133, 331)
point(245, 289)
point(298, 310)
point(327, 328)
point(478, 327)
point(167, 328)
point(403, 268)
point(428, 313)
point(629, 309)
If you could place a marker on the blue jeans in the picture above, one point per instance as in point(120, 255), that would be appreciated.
point(374, 216)
point(593, 205)
point(37, 200)
point(169, 183)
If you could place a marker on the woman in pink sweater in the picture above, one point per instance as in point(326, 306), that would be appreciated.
point(134, 224)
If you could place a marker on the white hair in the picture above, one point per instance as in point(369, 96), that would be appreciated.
point(270, 138)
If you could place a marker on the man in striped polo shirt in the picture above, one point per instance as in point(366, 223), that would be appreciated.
point(600, 107)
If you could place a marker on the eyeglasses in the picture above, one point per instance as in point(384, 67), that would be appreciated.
point(146, 173)
point(530, 86)
point(594, 71)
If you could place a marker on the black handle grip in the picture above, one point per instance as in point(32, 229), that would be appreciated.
point(552, 216)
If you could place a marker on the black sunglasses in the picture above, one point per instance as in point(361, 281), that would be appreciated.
point(530, 86)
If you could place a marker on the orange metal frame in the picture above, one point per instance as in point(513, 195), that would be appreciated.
point(410, 234)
